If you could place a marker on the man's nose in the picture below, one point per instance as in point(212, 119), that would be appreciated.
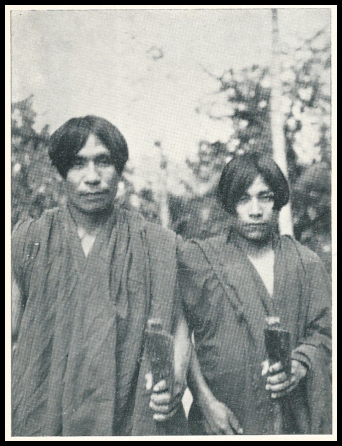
point(255, 209)
point(92, 175)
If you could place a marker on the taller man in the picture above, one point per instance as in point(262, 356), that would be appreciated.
point(230, 284)
point(87, 277)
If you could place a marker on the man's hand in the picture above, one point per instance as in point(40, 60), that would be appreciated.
point(162, 402)
point(219, 420)
point(278, 383)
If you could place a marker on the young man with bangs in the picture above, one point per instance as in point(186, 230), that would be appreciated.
point(87, 277)
point(230, 284)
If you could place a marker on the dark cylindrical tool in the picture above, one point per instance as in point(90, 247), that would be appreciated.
point(278, 344)
point(160, 349)
point(278, 348)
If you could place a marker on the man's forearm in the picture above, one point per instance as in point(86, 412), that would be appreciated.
point(196, 382)
point(16, 312)
point(182, 350)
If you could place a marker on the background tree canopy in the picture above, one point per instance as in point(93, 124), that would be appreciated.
point(242, 99)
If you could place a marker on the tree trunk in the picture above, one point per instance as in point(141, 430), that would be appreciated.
point(277, 122)
point(163, 198)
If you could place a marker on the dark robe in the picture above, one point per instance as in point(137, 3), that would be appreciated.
point(226, 304)
point(78, 366)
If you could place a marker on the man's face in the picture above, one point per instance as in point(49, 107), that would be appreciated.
point(255, 216)
point(92, 181)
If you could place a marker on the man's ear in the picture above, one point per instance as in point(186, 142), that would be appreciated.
point(121, 187)
point(275, 218)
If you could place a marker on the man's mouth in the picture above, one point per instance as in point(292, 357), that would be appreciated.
point(256, 225)
point(94, 194)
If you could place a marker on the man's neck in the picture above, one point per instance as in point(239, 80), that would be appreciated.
point(89, 222)
point(255, 248)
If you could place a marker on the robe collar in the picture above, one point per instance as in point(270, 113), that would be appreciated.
point(288, 273)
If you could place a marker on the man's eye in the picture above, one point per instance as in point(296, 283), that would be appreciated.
point(103, 162)
point(243, 199)
point(266, 198)
point(78, 163)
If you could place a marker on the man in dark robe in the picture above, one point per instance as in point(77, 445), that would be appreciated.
point(87, 277)
point(230, 284)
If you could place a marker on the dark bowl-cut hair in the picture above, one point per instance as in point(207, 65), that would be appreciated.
point(239, 174)
point(72, 136)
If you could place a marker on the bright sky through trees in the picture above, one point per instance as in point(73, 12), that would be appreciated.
point(143, 69)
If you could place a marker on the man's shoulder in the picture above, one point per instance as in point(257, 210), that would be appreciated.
point(194, 253)
point(160, 239)
point(28, 228)
point(209, 245)
point(152, 229)
point(27, 237)
point(215, 242)
point(161, 242)
point(306, 255)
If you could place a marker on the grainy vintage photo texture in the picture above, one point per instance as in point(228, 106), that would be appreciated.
point(171, 254)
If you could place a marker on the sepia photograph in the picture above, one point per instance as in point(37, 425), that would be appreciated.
point(171, 254)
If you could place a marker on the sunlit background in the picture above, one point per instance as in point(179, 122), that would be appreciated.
point(184, 87)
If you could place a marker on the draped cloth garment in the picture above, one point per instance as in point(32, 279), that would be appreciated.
point(226, 303)
point(78, 366)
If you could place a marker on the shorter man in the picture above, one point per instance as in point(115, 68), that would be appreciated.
point(230, 284)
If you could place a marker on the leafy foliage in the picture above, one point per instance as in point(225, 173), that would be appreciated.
point(245, 104)
point(35, 184)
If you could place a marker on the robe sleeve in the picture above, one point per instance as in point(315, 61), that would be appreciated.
point(197, 286)
point(20, 248)
point(21, 255)
point(317, 337)
point(314, 349)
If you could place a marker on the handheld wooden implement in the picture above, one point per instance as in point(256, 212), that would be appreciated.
point(278, 344)
point(278, 348)
point(160, 350)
